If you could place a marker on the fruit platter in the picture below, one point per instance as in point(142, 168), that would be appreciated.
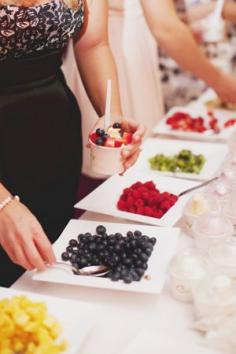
point(136, 255)
point(139, 205)
point(199, 124)
point(182, 159)
point(32, 323)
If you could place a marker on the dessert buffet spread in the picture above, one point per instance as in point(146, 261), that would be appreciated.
point(138, 257)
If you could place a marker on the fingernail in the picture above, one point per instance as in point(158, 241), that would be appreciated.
point(126, 153)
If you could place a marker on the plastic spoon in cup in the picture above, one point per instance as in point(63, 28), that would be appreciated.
point(107, 117)
point(97, 270)
point(198, 186)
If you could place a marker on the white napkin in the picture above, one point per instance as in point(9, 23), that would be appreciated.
point(160, 342)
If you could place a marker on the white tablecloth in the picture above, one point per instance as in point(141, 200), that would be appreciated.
point(125, 315)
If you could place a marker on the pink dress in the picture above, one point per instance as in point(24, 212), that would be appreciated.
point(135, 54)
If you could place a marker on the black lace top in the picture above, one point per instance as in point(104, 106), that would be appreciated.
point(26, 30)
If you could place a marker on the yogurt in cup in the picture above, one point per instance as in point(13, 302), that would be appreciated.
point(199, 204)
point(105, 149)
point(210, 229)
point(186, 269)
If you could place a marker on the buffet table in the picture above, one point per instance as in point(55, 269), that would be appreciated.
point(130, 323)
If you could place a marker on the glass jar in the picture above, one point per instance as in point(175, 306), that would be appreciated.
point(186, 268)
point(211, 228)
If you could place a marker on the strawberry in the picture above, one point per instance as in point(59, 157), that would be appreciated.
point(230, 123)
point(118, 143)
point(93, 137)
point(110, 142)
point(127, 138)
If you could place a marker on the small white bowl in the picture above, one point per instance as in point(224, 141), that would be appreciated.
point(185, 271)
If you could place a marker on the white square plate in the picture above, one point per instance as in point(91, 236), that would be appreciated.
point(157, 264)
point(214, 155)
point(104, 198)
point(76, 318)
point(164, 129)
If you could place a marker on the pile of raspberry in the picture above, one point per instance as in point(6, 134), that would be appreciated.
point(146, 199)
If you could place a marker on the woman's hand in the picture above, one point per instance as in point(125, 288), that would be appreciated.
point(130, 152)
point(23, 238)
point(225, 87)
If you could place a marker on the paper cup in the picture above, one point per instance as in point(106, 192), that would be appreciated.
point(105, 160)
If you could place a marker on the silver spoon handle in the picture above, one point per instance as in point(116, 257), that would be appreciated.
point(198, 186)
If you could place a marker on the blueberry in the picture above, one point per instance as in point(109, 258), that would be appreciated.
point(133, 244)
point(130, 234)
point(144, 266)
point(65, 256)
point(100, 132)
point(140, 271)
point(73, 258)
point(138, 251)
point(73, 243)
point(137, 233)
point(139, 263)
point(69, 249)
point(115, 276)
point(127, 262)
point(145, 238)
point(116, 125)
point(87, 234)
point(128, 279)
point(153, 240)
point(118, 236)
point(100, 229)
point(124, 273)
point(148, 251)
point(92, 246)
point(99, 141)
point(135, 275)
point(80, 236)
point(117, 248)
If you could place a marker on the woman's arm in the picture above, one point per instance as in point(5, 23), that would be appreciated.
point(229, 11)
point(94, 58)
point(96, 65)
point(176, 39)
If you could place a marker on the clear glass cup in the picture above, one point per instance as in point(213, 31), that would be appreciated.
point(211, 228)
point(223, 257)
point(199, 204)
point(186, 268)
point(214, 295)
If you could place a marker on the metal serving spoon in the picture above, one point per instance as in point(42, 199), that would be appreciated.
point(97, 270)
point(198, 186)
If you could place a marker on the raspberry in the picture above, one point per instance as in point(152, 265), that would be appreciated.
point(149, 185)
point(126, 190)
point(130, 202)
point(148, 211)
point(139, 203)
point(132, 210)
point(136, 185)
point(158, 214)
point(121, 205)
point(136, 194)
point(151, 201)
point(165, 205)
point(142, 189)
point(140, 210)
point(166, 195)
point(145, 195)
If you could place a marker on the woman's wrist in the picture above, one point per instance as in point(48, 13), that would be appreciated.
point(213, 76)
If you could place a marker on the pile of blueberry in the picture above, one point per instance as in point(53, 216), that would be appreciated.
point(125, 256)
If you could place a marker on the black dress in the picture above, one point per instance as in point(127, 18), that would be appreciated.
point(40, 128)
